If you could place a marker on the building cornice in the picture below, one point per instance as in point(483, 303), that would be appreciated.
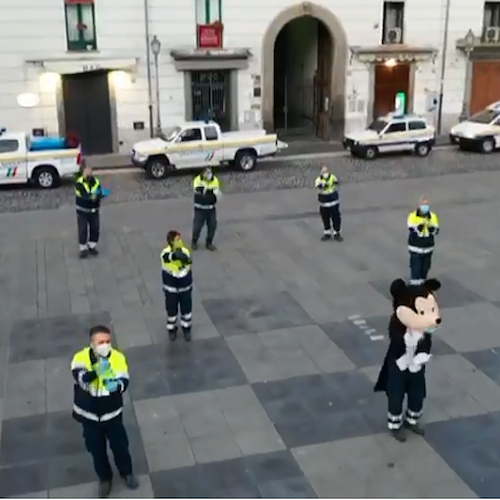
point(398, 52)
point(210, 59)
point(480, 49)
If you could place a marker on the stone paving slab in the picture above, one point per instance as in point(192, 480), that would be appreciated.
point(274, 396)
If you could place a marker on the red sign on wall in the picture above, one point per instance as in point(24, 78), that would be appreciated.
point(210, 36)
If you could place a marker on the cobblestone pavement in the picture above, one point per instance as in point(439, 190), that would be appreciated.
point(273, 397)
point(269, 176)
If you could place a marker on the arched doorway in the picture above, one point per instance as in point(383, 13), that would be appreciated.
point(304, 56)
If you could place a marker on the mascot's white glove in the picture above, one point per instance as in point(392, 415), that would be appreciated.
point(421, 358)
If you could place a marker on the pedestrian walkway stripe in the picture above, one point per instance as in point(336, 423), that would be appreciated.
point(358, 321)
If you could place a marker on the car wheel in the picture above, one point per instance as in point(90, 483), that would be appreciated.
point(46, 177)
point(453, 139)
point(487, 146)
point(422, 149)
point(246, 160)
point(370, 153)
point(157, 168)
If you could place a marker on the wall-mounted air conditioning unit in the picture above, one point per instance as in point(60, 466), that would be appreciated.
point(492, 34)
point(394, 35)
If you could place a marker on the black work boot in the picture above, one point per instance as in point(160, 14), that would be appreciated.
point(211, 247)
point(194, 245)
point(187, 334)
point(399, 434)
point(415, 428)
point(84, 254)
point(326, 237)
point(338, 237)
point(104, 489)
point(94, 252)
point(131, 482)
point(172, 335)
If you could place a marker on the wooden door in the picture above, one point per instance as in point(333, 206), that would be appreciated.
point(87, 111)
point(485, 84)
point(323, 82)
point(388, 82)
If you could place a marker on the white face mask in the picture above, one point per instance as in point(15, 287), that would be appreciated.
point(102, 350)
point(325, 175)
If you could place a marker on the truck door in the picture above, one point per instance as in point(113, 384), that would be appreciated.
point(189, 149)
point(13, 162)
point(213, 147)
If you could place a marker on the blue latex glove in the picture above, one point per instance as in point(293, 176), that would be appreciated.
point(111, 385)
point(102, 366)
point(105, 192)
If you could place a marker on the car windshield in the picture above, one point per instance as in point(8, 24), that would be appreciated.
point(377, 125)
point(486, 116)
point(172, 134)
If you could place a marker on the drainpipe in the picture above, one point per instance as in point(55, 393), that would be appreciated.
point(148, 64)
point(443, 65)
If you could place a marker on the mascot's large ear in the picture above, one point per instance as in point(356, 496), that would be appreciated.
point(432, 284)
point(398, 288)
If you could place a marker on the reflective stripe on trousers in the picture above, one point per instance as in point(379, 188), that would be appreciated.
point(92, 416)
point(419, 250)
point(87, 210)
point(204, 207)
point(329, 204)
point(172, 289)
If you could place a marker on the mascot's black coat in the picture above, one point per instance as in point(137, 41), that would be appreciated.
point(415, 316)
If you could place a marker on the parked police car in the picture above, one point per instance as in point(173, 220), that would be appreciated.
point(480, 132)
point(392, 134)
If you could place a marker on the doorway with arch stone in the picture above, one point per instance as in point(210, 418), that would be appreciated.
point(304, 72)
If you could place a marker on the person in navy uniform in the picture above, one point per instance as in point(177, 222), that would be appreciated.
point(328, 198)
point(177, 280)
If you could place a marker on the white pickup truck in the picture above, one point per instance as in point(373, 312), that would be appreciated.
point(20, 165)
point(202, 144)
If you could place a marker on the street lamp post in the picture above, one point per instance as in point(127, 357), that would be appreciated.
point(156, 49)
point(469, 40)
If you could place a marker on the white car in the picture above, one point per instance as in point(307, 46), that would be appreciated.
point(392, 134)
point(20, 165)
point(202, 144)
point(481, 132)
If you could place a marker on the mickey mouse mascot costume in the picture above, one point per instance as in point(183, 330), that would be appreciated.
point(415, 317)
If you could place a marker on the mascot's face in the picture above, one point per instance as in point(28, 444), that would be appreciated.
point(415, 306)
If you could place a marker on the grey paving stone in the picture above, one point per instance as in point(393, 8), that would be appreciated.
point(22, 479)
point(272, 466)
point(89, 490)
point(179, 483)
point(205, 422)
point(215, 447)
point(481, 319)
point(171, 453)
point(356, 344)
point(470, 446)
point(55, 337)
point(70, 471)
point(265, 439)
point(488, 361)
point(204, 365)
point(294, 487)
point(451, 294)
point(25, 390)
point(325, 354)
point(255, 314)
point(317, 408)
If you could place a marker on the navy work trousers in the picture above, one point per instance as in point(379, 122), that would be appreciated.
point(330, 216)
point(179, 301)
point(88, 229)
point(420, 265)
point(204, 217)
point(96, 436)
point(401, 384)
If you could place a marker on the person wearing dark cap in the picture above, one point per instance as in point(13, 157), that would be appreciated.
point(101, 377)
point(177, 279)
